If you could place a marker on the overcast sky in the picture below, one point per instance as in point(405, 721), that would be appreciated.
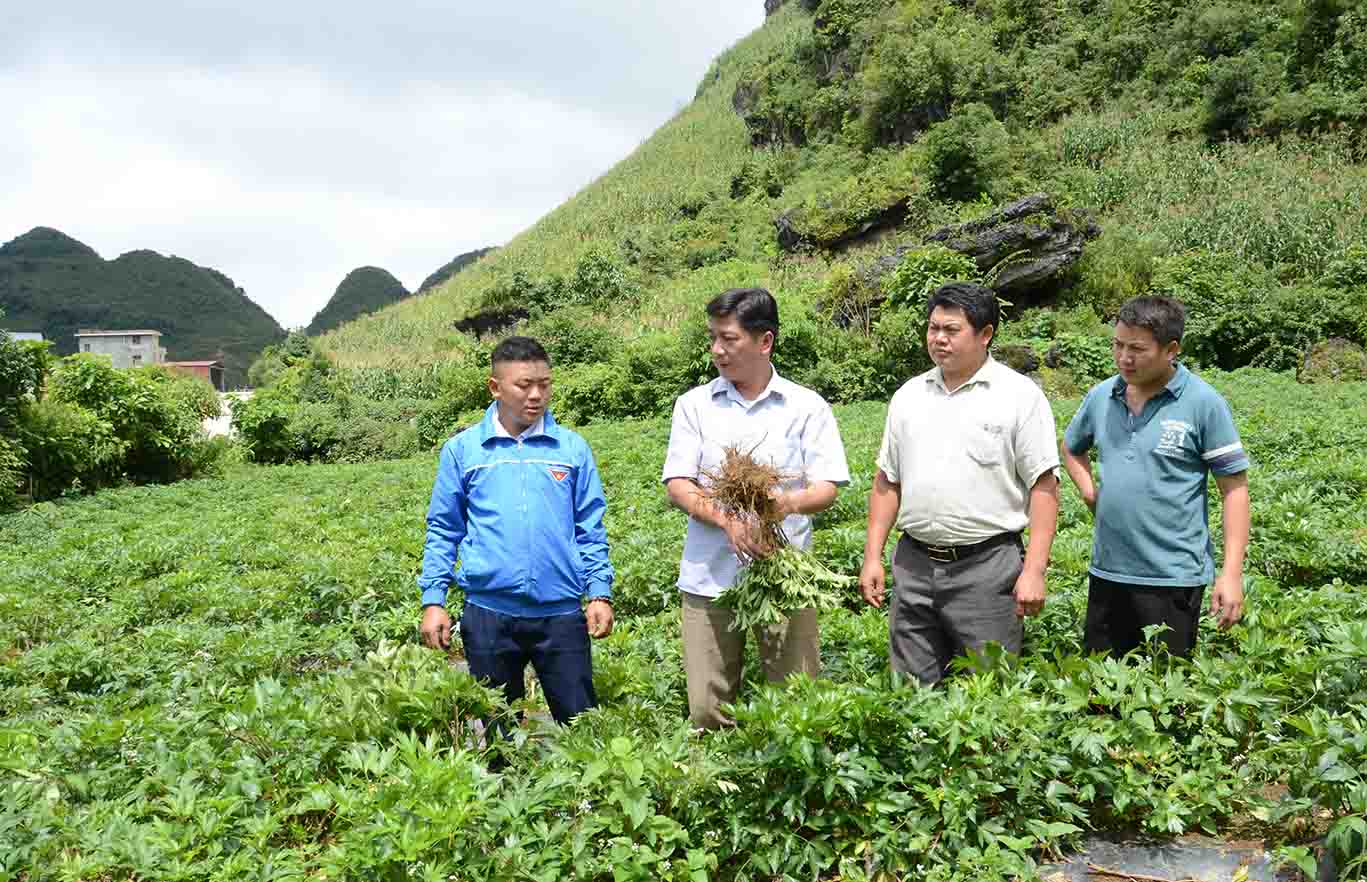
point(287, 143)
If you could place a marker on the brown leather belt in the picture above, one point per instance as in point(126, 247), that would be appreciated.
point(952, 553)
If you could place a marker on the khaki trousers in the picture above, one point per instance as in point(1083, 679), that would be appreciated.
point(713, 655)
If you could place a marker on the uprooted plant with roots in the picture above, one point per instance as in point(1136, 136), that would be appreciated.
point(784, 578)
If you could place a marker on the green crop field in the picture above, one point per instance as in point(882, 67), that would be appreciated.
point(221, 680)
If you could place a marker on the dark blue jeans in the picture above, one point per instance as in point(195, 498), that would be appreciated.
point(498, 648)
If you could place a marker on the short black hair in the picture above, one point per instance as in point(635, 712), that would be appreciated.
point(754, 308)
point(518, 349)
point(978, 302)
point(1164, 317)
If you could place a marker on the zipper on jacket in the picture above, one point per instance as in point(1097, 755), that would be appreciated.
point(526, 525)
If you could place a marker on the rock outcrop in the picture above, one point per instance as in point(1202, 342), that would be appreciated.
point(1030, 244)
point(490, 321)
point(1334, 361)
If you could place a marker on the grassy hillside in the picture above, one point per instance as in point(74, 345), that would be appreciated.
point(51, 283)
point(1231, 129)
point(363, 291)
point(255, 700)
point(451, 267)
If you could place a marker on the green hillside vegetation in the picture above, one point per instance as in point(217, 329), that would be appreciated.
point(364, 290)
point(451, 267)
point(1218, 148)
point(256, 705)
point(51, 283)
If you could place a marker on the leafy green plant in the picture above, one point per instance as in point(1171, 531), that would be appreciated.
point(965, 154)
point(771, 588)
point(921, 271)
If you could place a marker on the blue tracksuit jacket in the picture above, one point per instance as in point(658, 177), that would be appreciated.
point(525, 519)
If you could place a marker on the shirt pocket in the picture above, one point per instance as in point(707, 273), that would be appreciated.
point(986, 444)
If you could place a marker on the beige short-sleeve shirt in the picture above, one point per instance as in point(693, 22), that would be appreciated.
point(966, 460)
point(787, 425)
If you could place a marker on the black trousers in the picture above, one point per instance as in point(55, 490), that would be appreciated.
point(498, 648)
point(1118, 613)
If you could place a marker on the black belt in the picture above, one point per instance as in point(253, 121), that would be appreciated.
point(951, 553)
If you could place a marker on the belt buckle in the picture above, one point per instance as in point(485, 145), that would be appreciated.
point(942, 553)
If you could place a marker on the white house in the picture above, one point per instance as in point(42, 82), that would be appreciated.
point(127, 349)
point(25, 335)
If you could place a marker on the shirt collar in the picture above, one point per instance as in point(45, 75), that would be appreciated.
point(1174, 386)
point(777, 386)
point(983, 375)
point(490, 427)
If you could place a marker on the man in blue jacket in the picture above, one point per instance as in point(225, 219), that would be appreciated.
point(518, 501)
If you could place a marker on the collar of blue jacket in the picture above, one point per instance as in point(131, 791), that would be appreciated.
point(524, 519)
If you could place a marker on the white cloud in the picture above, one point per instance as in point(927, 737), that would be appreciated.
point(288, 144)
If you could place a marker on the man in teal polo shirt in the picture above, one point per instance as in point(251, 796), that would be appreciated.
point(1159, 431)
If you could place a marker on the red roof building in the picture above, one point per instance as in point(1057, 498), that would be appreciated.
point(209, 371)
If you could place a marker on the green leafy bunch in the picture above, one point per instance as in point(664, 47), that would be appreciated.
point(772, 587)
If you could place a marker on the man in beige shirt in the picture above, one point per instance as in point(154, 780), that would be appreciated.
point(969, 459)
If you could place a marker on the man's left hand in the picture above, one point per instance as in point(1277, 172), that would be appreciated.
point(599, 615)
point(1029, 593)
point(1227, 600)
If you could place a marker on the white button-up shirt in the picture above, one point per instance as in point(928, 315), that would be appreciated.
point(536, 428)
point(967, 459)
point(787, 425)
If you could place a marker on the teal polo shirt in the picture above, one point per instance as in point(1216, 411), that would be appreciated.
point(1152, 519)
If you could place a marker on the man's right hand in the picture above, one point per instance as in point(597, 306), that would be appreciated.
point(742, 534)
point(873, 582)
point(436, 627)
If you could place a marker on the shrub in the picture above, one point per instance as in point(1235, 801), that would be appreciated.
point(521, 291)
point(572, 336)
point(1087, 357)
point(800, 344)
point(13, 468)
point(70, 449)
point(600, 277)
point(1237, 315)
point(920, 272)
point(263, 424)
point(1348, 270)
point(586, 392)
point(851, 367)
point(1236, 96)
point(24, 367)
point(918, 71)
point(156, 414)
point(443, 419)
point(296, 349)
point(900, 336)
point(367, 438)
point(1117, 267)
point(966, 154)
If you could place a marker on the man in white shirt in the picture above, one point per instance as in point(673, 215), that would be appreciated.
point(969, 459)
point(749, 405)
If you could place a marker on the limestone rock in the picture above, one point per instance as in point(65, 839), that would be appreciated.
point(1038, 243)
point(1334, 361)
point(490, 321)
point(1017, 356)
point(1031, 242)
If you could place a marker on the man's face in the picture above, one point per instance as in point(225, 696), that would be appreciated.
point(522, 390)
point(952, 342)
point(1139, 358)
point(738, 354)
